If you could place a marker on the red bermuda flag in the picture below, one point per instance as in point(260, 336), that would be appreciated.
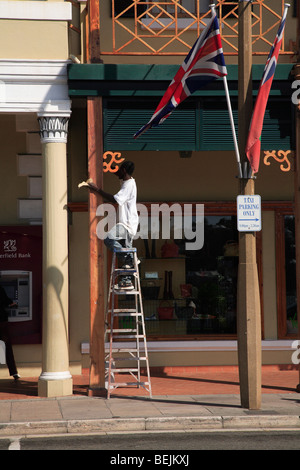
point(253, 145)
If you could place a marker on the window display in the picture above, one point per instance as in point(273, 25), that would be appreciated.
point(190, 292)
point(290, 274)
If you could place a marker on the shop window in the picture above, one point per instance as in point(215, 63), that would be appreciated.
point(229, 9)
point(290, 273)
point(286, 274)
point(184, 7)
point(295, 6)
point(126, 8)
point(212, 274)
point(180, 14)
point(189, 293)
point(286, 277)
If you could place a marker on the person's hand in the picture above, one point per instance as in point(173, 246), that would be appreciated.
point(88, 183)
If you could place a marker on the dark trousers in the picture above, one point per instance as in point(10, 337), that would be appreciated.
point(5, 336)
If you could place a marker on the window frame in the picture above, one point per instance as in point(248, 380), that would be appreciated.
point(280, 272)
point(183, 20)
point(180, 13)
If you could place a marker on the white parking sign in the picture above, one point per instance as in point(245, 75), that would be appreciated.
point(249, 213)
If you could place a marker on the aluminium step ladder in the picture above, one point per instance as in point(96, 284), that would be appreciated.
point(125, 358)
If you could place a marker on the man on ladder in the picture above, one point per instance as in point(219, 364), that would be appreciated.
point(119, 241)
point(121, 235)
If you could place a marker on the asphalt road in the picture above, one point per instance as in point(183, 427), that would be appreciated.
point(182, 447)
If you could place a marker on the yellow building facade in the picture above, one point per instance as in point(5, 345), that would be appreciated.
point(46, 79)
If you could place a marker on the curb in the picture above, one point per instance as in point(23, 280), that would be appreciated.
point(183, 424)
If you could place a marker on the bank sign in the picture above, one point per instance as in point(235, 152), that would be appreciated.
point(249, 213)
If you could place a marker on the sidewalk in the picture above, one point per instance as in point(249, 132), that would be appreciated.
point(203, 398)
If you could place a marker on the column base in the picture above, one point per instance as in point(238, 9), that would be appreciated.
point(55, 387)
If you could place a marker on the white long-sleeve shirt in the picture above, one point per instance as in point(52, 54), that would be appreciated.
point(127, 212)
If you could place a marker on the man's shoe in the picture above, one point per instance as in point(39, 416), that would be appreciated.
point(16, 376)
point(124, 284)
point(128, 264)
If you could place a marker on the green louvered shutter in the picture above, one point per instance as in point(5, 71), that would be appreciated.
point(215, 128)
point(216, 133)
point(122, 119)
point(278, 128)
point(197, 124)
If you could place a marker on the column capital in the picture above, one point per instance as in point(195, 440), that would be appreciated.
point(53, 128)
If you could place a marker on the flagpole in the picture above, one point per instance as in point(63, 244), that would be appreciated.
point(213, 11)
point(232, 127)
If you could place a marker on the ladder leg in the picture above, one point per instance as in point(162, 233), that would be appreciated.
point(144, 333)
point(137, 306)
point(110, 322)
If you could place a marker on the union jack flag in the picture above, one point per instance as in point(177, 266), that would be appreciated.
point(203, 64)
point(253, 145)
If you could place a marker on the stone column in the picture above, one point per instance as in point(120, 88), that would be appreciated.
point(55, 379)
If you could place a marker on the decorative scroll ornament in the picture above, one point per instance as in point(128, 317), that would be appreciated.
point(115, 159)
point(280, 158)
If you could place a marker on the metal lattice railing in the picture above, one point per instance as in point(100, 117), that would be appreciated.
point(170, 27)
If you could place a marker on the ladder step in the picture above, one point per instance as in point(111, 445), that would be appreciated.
point(125, 310)
point(122, 313)
point(125, 292)
point(125, 270)
point(125, 384)
point(128, 314)
point(122, 350)
point(121, 330)
point(128, 336)
point(125, 250)
point(131, 358)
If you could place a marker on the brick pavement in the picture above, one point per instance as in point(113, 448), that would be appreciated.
point(202, 380)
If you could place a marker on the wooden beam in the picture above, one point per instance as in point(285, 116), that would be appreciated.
point(97, 304)
point(248, 296)
point(93, 32)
